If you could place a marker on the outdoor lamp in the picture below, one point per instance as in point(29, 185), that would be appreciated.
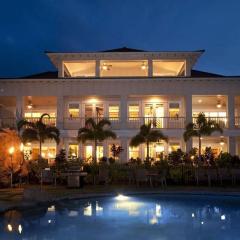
point(11, 150)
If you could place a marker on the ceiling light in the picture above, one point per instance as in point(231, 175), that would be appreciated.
point(143, 67)
point(199, 100)
point(222, 142)
point(219, 105)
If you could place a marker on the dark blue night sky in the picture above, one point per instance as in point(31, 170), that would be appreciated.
point(29, 27)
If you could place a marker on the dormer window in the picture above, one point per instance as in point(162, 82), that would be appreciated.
point(79, 68)
point(171, 68)
point(123, 68)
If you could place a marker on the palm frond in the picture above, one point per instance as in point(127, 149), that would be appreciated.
point(137, 140)
point(103, 122)
point(156, 135)
point(44, 115)
point(90, 123)
point(29, 135)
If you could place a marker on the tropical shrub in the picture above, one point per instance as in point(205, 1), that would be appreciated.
point(224, 160)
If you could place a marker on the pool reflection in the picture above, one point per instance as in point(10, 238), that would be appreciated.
point(136, 217)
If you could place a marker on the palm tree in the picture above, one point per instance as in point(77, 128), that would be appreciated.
point(37, 131)
point(96, 132)
point(202, 127)
point(147, 135)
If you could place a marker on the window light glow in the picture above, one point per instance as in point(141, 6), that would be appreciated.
point(223, 217)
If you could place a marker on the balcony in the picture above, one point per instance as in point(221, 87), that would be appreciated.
point(79, 122)
point(48, 121)
point(222, 121)
point(157, 122)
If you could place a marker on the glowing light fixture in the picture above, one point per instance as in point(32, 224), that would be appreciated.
point(121, 197)
point(11, 150)
point(21, 147)
point(143, 66)
point(222, 141)
point(199, 100)
point(9, 227)
point(192, 157)
point(219, 105)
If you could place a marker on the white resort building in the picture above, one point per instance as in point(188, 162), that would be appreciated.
point(129, 87)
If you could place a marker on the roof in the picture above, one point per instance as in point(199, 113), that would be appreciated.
point(54, 75)
point(124, 49)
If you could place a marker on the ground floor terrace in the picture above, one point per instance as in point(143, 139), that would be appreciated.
point(157, 150)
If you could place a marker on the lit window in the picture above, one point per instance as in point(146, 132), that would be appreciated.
point(113, 112)
point(151, 150)
point(123, 68)
point(133, 112)
point(168, 68)
point(174, 110)
point(73, 110)
point(133, 152)
point(173, 147)
point(89, 153)
point(80, 69)
point(72, 151)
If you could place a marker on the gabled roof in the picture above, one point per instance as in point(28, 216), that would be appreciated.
point(124, 49)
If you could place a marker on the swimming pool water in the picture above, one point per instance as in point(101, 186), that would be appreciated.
point(154, 217)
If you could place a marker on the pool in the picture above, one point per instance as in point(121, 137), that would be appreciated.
point(162, 217)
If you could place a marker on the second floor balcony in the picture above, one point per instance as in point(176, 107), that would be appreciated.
point(118, 123)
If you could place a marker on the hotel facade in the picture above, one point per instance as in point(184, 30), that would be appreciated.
point(129, 87)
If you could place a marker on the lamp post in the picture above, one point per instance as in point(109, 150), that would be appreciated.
point(21, 163)
point(11, 151)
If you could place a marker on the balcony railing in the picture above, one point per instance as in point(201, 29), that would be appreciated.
point(76, 123)
point(237, 122)
point(157, 122)
point(48, 121)
point(222, 121)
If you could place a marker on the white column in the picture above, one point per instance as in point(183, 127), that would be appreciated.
point(60, 69)
point(60, 145)
point(97, 68)
point(124, 112)
point(188, 111)
point(150, 68)
point(124, 153)
point(232, 145)
point(105, 148)
point(60, 112)
point(19, 107)
point(231, 111)
point(187, 68)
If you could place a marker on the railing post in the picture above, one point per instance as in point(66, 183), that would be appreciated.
point(60, 112)
point(231, 111)
point(124, 112)
point(189, 119)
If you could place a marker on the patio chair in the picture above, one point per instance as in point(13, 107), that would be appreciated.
point(103, 176)
point(200, 175)
point(47, 176)
point(235, 172)
point(212, 175)
point(141, 176)
point(224, 175)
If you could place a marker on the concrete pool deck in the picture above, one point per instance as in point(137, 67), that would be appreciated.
point(30, 196)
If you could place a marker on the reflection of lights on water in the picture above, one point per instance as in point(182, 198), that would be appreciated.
point(51, 209)
point(193, 215)
point(49, 221)
point(223, 217)
point(88, 210)
point(202, 222)
point(9, 227)
point(20, 228)
point(98, 208)
point(153, 220)
point(121, 197)
point(158, 210)
point(73, 213)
